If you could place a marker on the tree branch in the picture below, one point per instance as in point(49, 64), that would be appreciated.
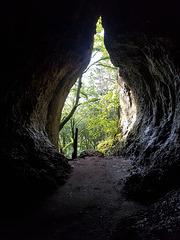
point(95, 53)
point(101, 59)
point(61, 125)
point(107, 66)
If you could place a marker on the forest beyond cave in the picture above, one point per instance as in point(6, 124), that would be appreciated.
point(100, 106)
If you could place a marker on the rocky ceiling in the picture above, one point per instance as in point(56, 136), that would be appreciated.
point(45, 45)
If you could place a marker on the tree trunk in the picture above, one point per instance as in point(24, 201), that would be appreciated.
point(74, 155)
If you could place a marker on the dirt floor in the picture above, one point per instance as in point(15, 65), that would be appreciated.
point(87, 207)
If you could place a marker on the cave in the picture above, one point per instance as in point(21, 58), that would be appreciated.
point(45, 46)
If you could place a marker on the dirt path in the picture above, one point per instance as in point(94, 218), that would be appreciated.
point(87, 207)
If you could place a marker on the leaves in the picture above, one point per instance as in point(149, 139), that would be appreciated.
point(103, 118)
point(96, 116)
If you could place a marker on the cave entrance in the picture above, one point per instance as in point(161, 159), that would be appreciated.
point(100, 108)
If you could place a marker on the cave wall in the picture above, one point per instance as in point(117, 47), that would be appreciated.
point(142, 39)
point(128, 109)
point(45, 45)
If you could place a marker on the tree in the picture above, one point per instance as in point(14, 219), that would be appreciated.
point(92, 103)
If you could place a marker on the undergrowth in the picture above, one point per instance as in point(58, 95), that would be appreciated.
point(109, 145)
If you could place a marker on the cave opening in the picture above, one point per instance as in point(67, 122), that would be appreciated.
point(100, 109)
point(45, 48)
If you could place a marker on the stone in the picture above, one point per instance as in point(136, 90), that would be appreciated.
point(45, 49)
point(146, 50)
point(159, 221)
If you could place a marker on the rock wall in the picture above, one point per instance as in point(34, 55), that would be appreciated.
point(45, 45)
point(143, 41)
point(128, 109)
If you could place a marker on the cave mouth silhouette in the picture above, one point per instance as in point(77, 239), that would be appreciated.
point(45, 48)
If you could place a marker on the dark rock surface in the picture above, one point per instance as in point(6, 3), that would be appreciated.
point(143, 41)
point(44, 46)
point(31, 167)
point(159, 221)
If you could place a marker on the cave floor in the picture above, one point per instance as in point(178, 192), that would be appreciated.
point(88, 206)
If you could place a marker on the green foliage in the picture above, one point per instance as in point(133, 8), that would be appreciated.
point(103, 117)
point(96, 116)
point(104, 146)
point(99, 39)
point(110, 145)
